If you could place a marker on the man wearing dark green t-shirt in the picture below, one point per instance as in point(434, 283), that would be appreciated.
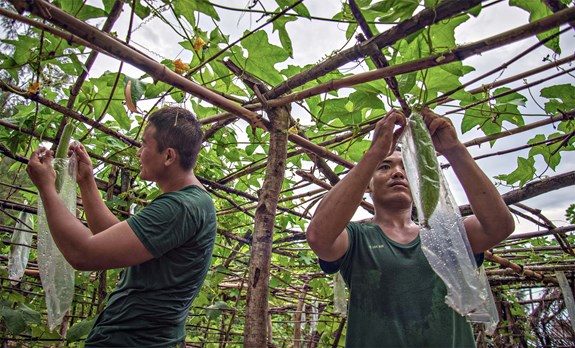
point(166, 248)
point(396, 300)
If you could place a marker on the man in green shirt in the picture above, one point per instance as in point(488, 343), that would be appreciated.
point(396, 300)
point(166, 248)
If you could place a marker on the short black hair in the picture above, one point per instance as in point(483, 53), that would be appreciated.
point(178, 128)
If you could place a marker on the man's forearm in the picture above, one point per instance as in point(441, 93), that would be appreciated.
point(98, 215)
point(486, 202)
point(339, 205)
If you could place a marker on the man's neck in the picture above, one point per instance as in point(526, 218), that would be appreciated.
point(178, 181)
point(393, 217)
point(397, 224)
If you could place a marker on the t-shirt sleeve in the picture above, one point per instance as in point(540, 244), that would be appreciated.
point(163, 225)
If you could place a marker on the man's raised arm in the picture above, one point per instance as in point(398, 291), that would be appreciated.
point(326, 233)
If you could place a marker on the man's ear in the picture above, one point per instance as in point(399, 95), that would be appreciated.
point(171, 156)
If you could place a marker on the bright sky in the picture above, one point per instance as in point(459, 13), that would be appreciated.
point(312, 40)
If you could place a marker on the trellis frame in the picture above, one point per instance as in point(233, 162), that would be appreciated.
point(275, 98)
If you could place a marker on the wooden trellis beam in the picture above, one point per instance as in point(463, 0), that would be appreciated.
point(444, 10)
point(530, 190)
point(458, 54)
point(511, 91)
point(67, 112)
point(519, 269)
point(513, 251)
point(377, 57)
point(527, 235)
point(158, 71)
point(128, 54)
point(260, 259)
point(569, 115)
point(445, 97)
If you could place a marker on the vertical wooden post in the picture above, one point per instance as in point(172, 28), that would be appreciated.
point(259, 268)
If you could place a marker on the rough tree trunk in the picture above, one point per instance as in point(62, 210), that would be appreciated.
point(259, 267)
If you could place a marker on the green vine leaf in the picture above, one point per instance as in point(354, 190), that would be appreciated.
point(538, 10)
point(263, 56)
point(524, 173)
point(561, 97)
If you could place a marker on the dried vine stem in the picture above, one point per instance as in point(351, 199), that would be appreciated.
point(56, 32)
point(309, 177)
point(377, 57)
point(561, 238)
point(67, 112)
point(75, 89)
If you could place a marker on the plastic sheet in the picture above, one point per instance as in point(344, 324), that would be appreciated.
point(20, 247)
point(444, 242)
point(339, 299)
point(56, 274)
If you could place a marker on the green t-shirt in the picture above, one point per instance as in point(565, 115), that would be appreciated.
point(396, 299)
point(150, 304)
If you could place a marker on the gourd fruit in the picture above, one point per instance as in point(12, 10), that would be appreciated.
point(60, 165)
point(428, 166)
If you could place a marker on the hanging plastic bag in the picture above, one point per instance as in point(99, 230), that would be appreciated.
point(20, 247)
point(567, 296)
point(339, 299)
point(443, 239)
point(314, 317)
point(486, 313)
point(56, 274)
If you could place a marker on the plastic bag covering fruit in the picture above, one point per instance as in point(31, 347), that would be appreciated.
point(56, 274)
point(20, 247)
point(443, 239)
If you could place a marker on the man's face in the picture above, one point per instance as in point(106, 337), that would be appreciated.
point(151, 160)
point(389, 182)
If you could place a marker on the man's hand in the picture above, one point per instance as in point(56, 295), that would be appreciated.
point(385, 138)
point(441, 130)
point(85, 169)
point(40, 169)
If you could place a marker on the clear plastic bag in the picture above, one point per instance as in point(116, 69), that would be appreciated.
point(567, 296)
point(444, 242)
point(20, 247)
point(339, 299)
point(486, 313)
point(56, 274)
